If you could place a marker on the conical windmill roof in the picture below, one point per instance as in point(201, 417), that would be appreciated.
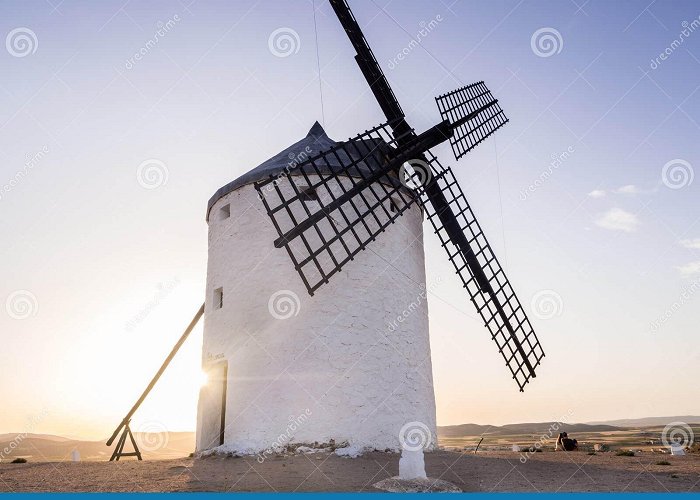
point(315, 142)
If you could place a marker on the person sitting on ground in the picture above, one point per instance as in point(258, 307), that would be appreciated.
point(559, 445)
point(565, 443)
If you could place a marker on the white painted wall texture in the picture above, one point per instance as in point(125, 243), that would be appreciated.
point(334, 369)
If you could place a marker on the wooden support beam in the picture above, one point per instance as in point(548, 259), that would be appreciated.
point(124, 424)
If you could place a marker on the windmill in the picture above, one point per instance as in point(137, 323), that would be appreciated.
point(382, 162)
point(325, 202)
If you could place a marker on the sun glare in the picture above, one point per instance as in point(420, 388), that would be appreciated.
point(203, 378)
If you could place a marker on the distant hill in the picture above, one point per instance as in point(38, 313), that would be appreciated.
point(650, 421)
point(539, 428)
point(46, 447)
point(42, 447)
point(49, 437)
point(466, 430)
point(536, 428)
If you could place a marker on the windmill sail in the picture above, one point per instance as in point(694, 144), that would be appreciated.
point(475, 113)
point(482, 276)
point(470, 114)
point(328, 208)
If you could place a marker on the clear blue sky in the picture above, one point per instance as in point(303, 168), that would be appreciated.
point(114, 271)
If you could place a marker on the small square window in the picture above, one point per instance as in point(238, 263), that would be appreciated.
point(393, 207)
point(218, 298)
point(225, 212)
point(308, 194)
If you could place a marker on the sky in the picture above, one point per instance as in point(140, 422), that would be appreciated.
point(111, 144)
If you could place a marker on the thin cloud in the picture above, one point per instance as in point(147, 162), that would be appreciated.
point(617, 219)
point(628, 189)
point(632, 189)
point(692, 243)
point(690, 269)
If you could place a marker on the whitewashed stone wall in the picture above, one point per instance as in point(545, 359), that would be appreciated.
point(340, 367)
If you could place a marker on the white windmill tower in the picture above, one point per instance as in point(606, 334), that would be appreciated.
point(310, 369)
point(349, 361)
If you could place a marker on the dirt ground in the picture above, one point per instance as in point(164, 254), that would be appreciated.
point(488, 471)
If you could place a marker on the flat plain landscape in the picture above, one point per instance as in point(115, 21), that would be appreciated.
point(646, 465)
point(543, 435)
point(489, 471)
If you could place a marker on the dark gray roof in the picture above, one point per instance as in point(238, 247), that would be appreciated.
point(315, 142)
